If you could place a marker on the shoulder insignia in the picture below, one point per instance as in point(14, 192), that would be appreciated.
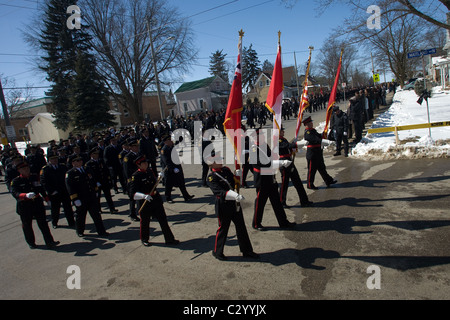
point(210, 178)
point(125, 159)
point(132, 178)
point(308, 132)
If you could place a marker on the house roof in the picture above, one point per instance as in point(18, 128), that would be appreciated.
point(188, 86)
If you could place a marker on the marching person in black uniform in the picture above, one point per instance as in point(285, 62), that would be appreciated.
point(101, 177)
point(113, 163)
point(266, 185)
point(147, 147)
point(28, 192)
point(129, 167)
point(141, 185)
point(81, 186)
point(53, 180)
point(205, 167)
point(11, 170)
point(221, 181)
point(314, 155)
point(339, 125)
point(290, 173)
point(174, 174)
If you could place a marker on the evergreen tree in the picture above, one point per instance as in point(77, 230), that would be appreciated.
point(89, 104)
point(251, 67)
point(267, 67)
point(218, 65)
point(60, 45)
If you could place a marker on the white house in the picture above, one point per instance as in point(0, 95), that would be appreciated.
point(41, 129)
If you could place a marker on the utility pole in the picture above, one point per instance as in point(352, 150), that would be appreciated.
point(6, 115)
point(161, 110)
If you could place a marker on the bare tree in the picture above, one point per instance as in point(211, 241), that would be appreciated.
point(121, 41)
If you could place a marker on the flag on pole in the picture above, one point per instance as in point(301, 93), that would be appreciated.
point(274, 100)
point(304, 102)
point(235, 106)
point(332, 100)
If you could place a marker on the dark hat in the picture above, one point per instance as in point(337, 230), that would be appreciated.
point(21, 165)
point(52, 156)
point(75, 157)
point(307, 120)
point(133, 142)
point(94, 150)
point(140, 159)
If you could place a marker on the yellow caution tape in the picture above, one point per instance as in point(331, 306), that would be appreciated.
point(410, 127)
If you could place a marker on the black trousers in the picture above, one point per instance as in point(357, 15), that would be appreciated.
point(268, 191)
point(317, 164)
point(107, 193)
point(227, 213)
point(55, 208)
point(156, 210)
point(291, 173)
point(91, 206)
point(38, 214)
point(339, 139)
point(172, 181)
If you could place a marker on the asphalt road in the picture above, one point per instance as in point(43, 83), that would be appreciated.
point(382, 232)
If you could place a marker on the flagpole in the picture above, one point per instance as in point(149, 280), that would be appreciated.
point(305, 89)
point(332, 100)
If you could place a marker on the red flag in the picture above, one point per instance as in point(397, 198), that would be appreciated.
point(275, 96)
point(332, 100)
point(235, 106)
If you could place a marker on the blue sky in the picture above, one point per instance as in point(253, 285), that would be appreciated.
point(216, 29)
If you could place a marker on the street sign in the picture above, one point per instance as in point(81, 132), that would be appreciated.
point(376, 77)
point(421, 53)
point(10, 132)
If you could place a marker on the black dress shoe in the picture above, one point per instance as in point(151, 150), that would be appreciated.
point(285, 205)
point(134, 218)
point(112, 211)
point(80, 234)
point(288, 225)
point(219, 256)
point(52, 244)
point(169, 201)
point(189, 198)
point(104, 234)
point(173, 242)
point(251, 255)
point(307, 204)
point(313, 188)
point(54, 226)
point(332, 182)
point(146, 244)
point(32, 246)
point(259, 228)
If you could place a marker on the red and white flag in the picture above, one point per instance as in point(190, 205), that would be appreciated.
point(274, 100)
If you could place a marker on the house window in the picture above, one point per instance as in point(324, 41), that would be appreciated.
point(126, 114)
point(267, 83)
point(185, 106)
point(200, 102)
point(260, 84)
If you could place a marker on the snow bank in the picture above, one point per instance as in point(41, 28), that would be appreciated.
point(414, 144)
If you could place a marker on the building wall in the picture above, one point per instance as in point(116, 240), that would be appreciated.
point(191, 101)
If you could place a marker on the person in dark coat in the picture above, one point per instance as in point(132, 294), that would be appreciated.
point(174, 173)
point(29, 194)
point(266, 185)
point(339, 126)
point(142, 182)
point(314, 155)
point(147, 147)
point(290, 172)
point(221, 181)
point(53, 180)
point(129, 167)
point(102, 178)
point(82, 189)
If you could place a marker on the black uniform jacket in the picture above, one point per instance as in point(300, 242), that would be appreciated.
point(314, 143)
point(285, 148)
point(143, 182)
point(100, 172)
point(262, 172)
point(20, 186)
point(221, 181)
point(81, 186)
point(54, 179)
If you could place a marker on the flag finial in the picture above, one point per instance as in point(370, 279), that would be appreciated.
point(279, 36)
point(241, 33)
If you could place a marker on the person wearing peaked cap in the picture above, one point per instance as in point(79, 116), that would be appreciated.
point(11, 170)
point(29, 194)
point(52, 178)
point(339, 125)
point(81, 186)
point(221, 181)
point(129, 167)
point(102, 178)
point(174, 174)
point(141, 186)
point(306, 120)
point(314, 156)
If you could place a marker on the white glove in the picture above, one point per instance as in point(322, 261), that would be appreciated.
point(30, 195)
point(77, 203)
point(49, 203)
point(286, 163)
point(148, 197)
point(161, 175)
point(139, 196)
point(54, 193)
point(176, 170)
point(301, 144)
point(238, 173)
point(231, 195)
point(325, 142)
point(99, 184)
point(345, 133)
point(279, 163)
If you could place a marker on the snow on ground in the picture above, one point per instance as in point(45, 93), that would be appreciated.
point(416, 143)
